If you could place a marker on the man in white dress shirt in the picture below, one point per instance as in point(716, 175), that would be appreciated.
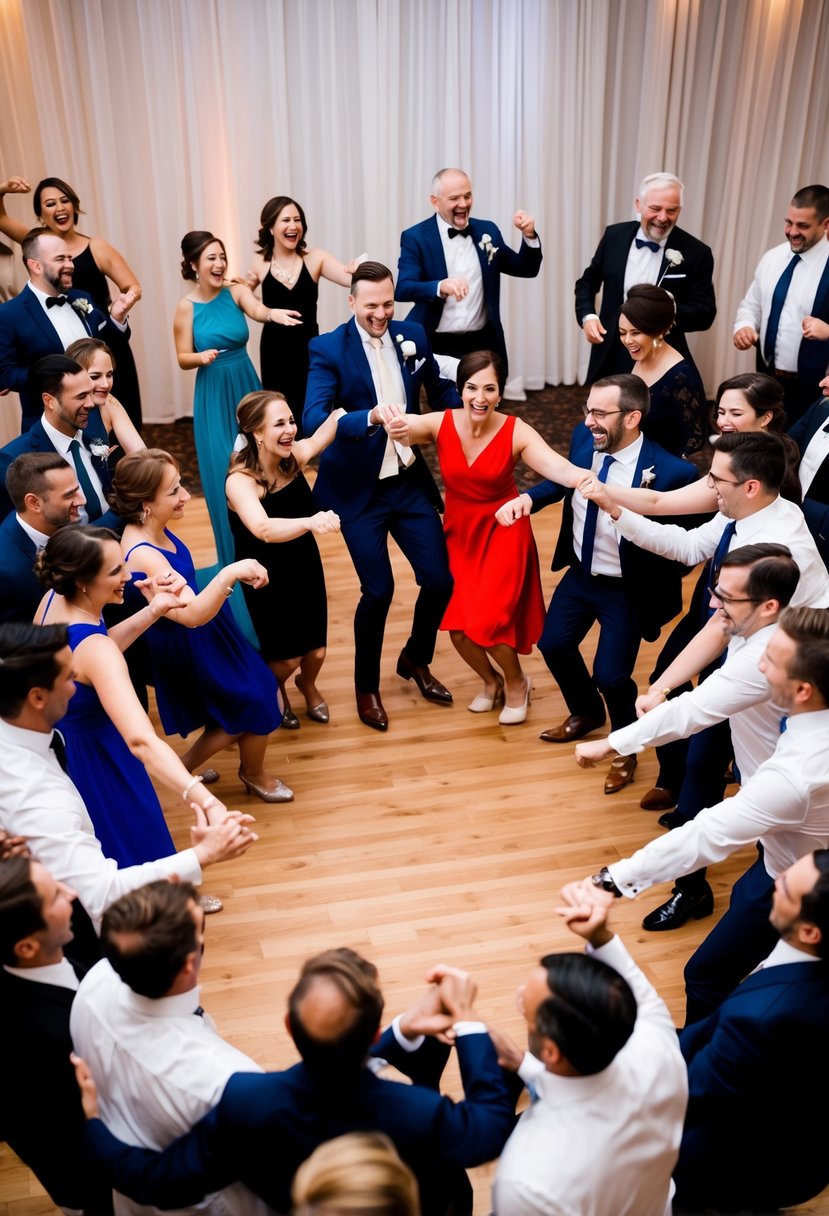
point(37, 799)
point(156, 1057)
point(607, 1080)
point(783, 807)
point(785, 311)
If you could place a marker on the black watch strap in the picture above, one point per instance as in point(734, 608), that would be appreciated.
point(604, 880)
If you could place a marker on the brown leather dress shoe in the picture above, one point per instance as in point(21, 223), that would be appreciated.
point(370, 710)
point(621, 774)
point(660, 798)
point(573, 728)
point(429, 687)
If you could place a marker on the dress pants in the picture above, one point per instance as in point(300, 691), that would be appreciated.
point(709, 754)
point(578, 602)
point(740, 940)
point(399, 508)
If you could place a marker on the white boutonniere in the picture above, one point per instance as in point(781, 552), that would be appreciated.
point(648, 476)
point(674, 257)
point(81, 305)
point(407, 348)
point(99, 449)
point(486, 246)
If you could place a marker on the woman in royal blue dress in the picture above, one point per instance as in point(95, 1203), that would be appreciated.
point(211, 335)
point(207, 676)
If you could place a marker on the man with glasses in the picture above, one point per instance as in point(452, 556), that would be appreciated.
point(753, 586)
point(628, 591)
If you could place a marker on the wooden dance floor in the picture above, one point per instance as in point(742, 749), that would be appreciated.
point(445, 840)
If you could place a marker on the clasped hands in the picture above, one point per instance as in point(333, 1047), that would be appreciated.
point(589, 487)
point(449, 998)
point(393, 419)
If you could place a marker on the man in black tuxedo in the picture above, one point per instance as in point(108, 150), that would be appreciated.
point(40, 1111)
point(652, 250)
point(45, 493)
point(48, 315)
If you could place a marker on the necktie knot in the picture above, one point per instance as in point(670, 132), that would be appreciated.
point(59, 748)
point(55, 301)
point(453, 232)
point(641, 243)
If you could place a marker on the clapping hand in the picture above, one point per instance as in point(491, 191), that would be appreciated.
point(450, 993)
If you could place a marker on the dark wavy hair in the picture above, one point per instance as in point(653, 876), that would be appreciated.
point(269, 216)
point(250, 414)
point(71, 557)
point(193, 245)
point(56, 183)
point(476, 361)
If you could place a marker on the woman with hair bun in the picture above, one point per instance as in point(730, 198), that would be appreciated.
point(289, 273)
point(211, 335)
point(109, 738)
point(676, 419)
point(273, 519)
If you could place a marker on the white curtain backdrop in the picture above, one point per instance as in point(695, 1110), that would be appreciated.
point(167, 115)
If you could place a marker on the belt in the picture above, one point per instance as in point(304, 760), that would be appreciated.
point(606, 580)
point(778, 375)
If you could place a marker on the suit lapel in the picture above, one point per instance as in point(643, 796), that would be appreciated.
point(21, 539)
point(39, 317)
point(411, 403)
point(356, 351)
point(819, 308)
point(435, 246)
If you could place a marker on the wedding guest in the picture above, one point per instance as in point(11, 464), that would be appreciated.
point(274, 520)
point(96, 358)
point(358, 1174)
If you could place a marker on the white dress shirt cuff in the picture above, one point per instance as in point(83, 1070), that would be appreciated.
point(402, 1041)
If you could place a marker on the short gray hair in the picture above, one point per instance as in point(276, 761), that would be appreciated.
point(660, 181)
point(437, 180)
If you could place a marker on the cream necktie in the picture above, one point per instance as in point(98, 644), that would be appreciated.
point(396, 454)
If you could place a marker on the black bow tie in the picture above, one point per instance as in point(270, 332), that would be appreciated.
point(652, 245)
point(55, 301)
point(459, 232)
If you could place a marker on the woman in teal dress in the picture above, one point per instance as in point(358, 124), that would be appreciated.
point(211, 335)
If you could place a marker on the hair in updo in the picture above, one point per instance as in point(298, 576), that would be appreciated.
point(137, 480)
point(72, 557)
point(649, 309)
point(250, 414)
point(193, 245)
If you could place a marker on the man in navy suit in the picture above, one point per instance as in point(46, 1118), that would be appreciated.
point(264, 1126)
point(40, 1112)
point(69, 426)
point(451, 266)
point(370, 369)
point(48, 315)
point(46, 495)
point(811, 434)
point(650, 250)
point(762, 1055)
point(631, 593)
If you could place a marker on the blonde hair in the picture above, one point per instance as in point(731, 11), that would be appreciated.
point(355, 1175)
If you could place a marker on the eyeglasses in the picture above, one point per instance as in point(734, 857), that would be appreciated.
point(730, 599)
point(599, 415)
point(715, 481)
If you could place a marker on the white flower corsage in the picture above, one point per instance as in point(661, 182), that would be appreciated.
point(99, 449)
point(674, 257)
point(486, 246)
point(82, 305)
point(648, 476)
point(408, 349)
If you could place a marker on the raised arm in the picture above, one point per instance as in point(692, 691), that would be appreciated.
point(115, 266)
point(538, 455)
point(242, 496)
point(197, 609)
point(331, 268)
point(256, 310)
point(695, 499)
point(9, 226)
point(116, 419)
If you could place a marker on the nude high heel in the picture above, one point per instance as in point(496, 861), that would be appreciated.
point(514, 715)
point(483, 704)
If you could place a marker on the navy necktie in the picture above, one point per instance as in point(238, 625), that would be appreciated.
point(715, 563)
point(588, 539)
point(778, 299)
point(642, 244)
point(93, 503)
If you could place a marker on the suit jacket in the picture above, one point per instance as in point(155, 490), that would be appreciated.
point(422, 265)
point(755, 1067)
point(339, 377)
point(816, 504)
point(36, 440)
point(40, 1111)
point(20, 589)
point(653, 584)
point(690, 283)
point(26, 335)
point(264, 1126)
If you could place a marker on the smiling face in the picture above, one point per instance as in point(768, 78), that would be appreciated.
point(480, 394)
point(453, 203)
point(171, 497)
point(373, 305)
point(774, 665)
point(61, 501)
point(803, 229)
point(637, 344)
point(51, 268)
point(57, 211)
point(730, 497)
point(735, 414)
point(789, 889)
point(107, 587)
point(212, 265)
point(610, 427)
point(659, 211)
point(738, 613)
point(55, 700)
point(278, 430)
point(68, 411)
point(56, 910)
point(287, 230)
point(100, 372)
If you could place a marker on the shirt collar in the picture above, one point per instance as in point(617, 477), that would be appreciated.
point(42, 296)
point(641, 235)
point(59, 975)
point(59, 441)
point(34, 740)
point(183, 1004)
point(38, 539)
point(818, 250)
point(784, 953)
point(628, 456)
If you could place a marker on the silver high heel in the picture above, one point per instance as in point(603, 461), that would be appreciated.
point(280, 793)
point(317, 713)
point(514, 715)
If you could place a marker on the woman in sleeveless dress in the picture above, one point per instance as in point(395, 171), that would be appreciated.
point(207, 676)
point(273, 519)
point(496, 612)
point(289, 273)
point(82, 568)
point(96, 358)
point(57, 207)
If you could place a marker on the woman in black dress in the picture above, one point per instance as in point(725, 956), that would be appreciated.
point(274, 520)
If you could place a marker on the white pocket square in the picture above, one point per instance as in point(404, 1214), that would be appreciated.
point(418, 364)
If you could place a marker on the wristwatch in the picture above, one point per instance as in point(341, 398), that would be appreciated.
point(603, 880)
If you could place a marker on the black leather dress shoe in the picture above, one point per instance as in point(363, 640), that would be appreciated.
point(682, 906)
point(370, 710)
point(671, 819)
point(573, 728)
point(429, 687)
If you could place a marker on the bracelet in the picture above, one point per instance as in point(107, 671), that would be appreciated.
point(666, 692)
point(229, 590)
point(188, 788)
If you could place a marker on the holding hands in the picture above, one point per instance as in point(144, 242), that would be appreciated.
point(596, 491)
point(449, 998)
point(514, 510)
point(323, 522)
point(585, 909)
point(457, 288)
